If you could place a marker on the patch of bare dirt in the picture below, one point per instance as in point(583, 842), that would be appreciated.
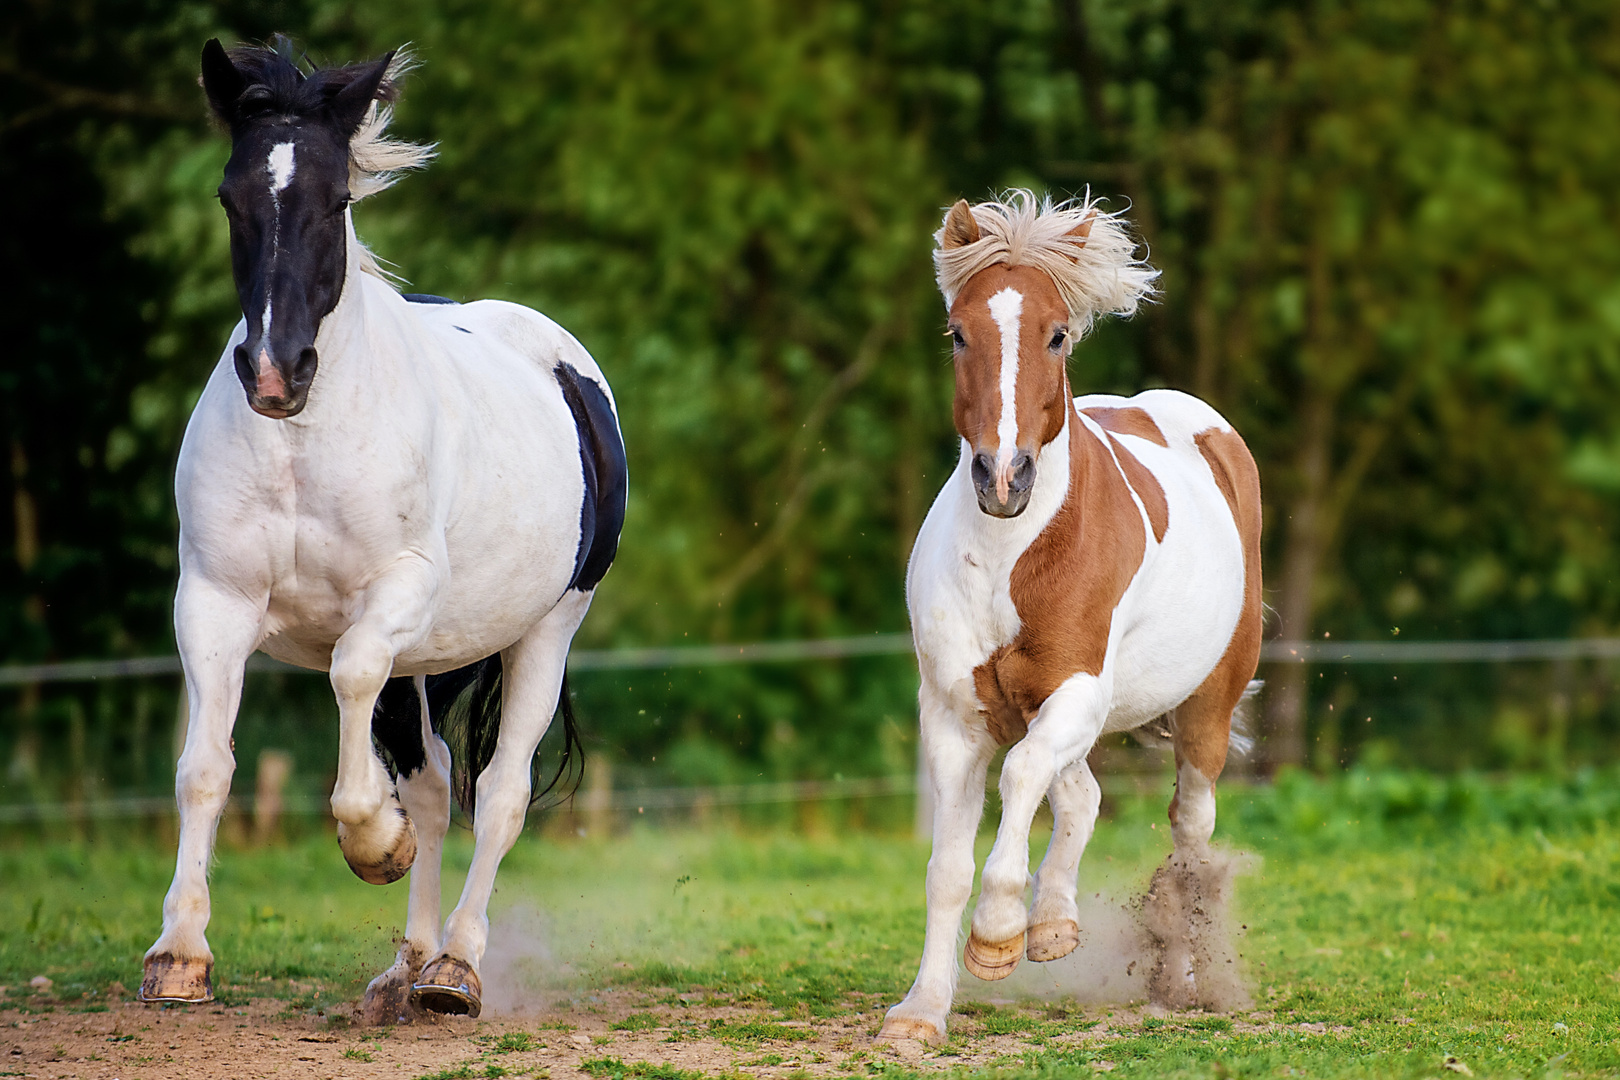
point(691, 1031)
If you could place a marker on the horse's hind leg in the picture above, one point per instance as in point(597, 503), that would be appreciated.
point(1187, 896)
point(216, 630)
point(532, 679)
point(423, 762)
point(1054, 918)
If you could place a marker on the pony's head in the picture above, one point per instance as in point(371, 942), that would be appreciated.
point(1023, 281)
point(303, 146)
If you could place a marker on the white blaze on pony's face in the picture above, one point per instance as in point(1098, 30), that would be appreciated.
point(1010, 330)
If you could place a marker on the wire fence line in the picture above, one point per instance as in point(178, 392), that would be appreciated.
point(765, 652)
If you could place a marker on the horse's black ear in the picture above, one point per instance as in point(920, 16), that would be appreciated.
point(350, 104)
point(221, 81)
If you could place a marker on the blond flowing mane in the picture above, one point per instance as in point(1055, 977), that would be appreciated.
point(1096, 274)
point(377, 162)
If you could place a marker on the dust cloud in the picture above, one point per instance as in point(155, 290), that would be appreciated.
point(1174, 947)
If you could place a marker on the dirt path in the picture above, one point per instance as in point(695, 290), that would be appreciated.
point(603, 1036)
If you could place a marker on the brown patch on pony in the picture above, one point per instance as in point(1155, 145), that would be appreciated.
point(1065, 586)
point(1147, 488)
point(1130, 420)
point(1203, 722)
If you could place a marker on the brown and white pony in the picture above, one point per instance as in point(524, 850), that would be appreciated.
point(1092, 565)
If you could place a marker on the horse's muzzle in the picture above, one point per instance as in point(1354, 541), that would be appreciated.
point(1003, 493)
point(271, 391)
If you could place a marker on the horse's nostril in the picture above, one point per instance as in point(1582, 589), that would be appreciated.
point(1023, 472)
point(983, 470)
point(244, 365)
point(304, 371)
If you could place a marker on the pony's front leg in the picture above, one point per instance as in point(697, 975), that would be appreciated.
point(1054, 918)
point(375, 833)
point(957, 756)
point(425, 794)
point(216, 630)
point(532, 676)
point(1068, 723)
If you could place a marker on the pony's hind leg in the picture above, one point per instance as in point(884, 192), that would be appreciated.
point(423, 764)
point(216, 631)
point(958, 756)
point(1054, 918)
point(532, 679)
point(1186, 899)
point(376, 835)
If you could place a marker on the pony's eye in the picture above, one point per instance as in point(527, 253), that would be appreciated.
point(956, 338)
point(1058, 339)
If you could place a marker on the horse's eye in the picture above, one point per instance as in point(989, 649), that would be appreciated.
point(956, 339)
point(1058, 339)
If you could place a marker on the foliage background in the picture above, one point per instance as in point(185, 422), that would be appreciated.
point(1390, 233)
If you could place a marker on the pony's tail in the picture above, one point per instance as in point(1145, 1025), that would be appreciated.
point(465, 707)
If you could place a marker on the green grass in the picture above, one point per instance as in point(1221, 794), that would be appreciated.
point(1414, 924)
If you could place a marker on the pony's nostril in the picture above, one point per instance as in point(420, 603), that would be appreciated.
point(1023, 471)
point(304, 370)
point(983, 470)
point(244, 366)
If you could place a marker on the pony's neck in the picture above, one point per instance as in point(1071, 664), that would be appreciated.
point(342, 330)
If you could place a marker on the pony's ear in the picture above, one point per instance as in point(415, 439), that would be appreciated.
point(1082, 231)
point(350, 104)
point(221, 81)
point(961, 228)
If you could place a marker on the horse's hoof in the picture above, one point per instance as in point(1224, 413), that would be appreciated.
point(449, 986)
point(379, 863)
point(171, 979)
point(903, 1028)
point(1053, 940)
point(993, 960)
point(388, 998)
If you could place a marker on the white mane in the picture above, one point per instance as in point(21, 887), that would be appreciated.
point(1098, 274)
point(376, 161)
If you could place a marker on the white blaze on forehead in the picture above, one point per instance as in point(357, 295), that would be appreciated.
point(1005, 308)
point(282, 166)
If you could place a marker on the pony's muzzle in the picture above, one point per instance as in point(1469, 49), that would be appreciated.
point(271, 391)
point(1003, 492)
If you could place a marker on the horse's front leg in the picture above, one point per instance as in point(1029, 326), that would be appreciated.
point(957, 756)
point(1054, 918)
point(532, 681)
point(1063, 732)
point(216, 630)
point(375, 833)
point(425, 793)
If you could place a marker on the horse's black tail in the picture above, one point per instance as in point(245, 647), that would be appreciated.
point(465, 708)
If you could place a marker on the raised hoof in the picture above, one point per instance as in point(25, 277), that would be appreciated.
point(382, 868)
point(170, 979)
point(991, 961)
point(450, 987)
point(1053, 940)
point(903, 1028)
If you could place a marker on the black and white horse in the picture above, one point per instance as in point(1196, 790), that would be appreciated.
point(415, 495)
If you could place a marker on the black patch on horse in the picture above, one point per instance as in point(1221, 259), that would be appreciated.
point(396, 724)
point(607, 477)
point(426, 298)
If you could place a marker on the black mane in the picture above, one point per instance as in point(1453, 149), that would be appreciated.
point(274, 84)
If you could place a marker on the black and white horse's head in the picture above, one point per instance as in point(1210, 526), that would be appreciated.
point(286, 192)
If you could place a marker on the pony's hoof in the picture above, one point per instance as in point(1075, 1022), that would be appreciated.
point(904, 1028)
point(169, 978)
point(449, 986)
point(993, 960)
point(1053, 940)
point(374, 859)
point(388, 998)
